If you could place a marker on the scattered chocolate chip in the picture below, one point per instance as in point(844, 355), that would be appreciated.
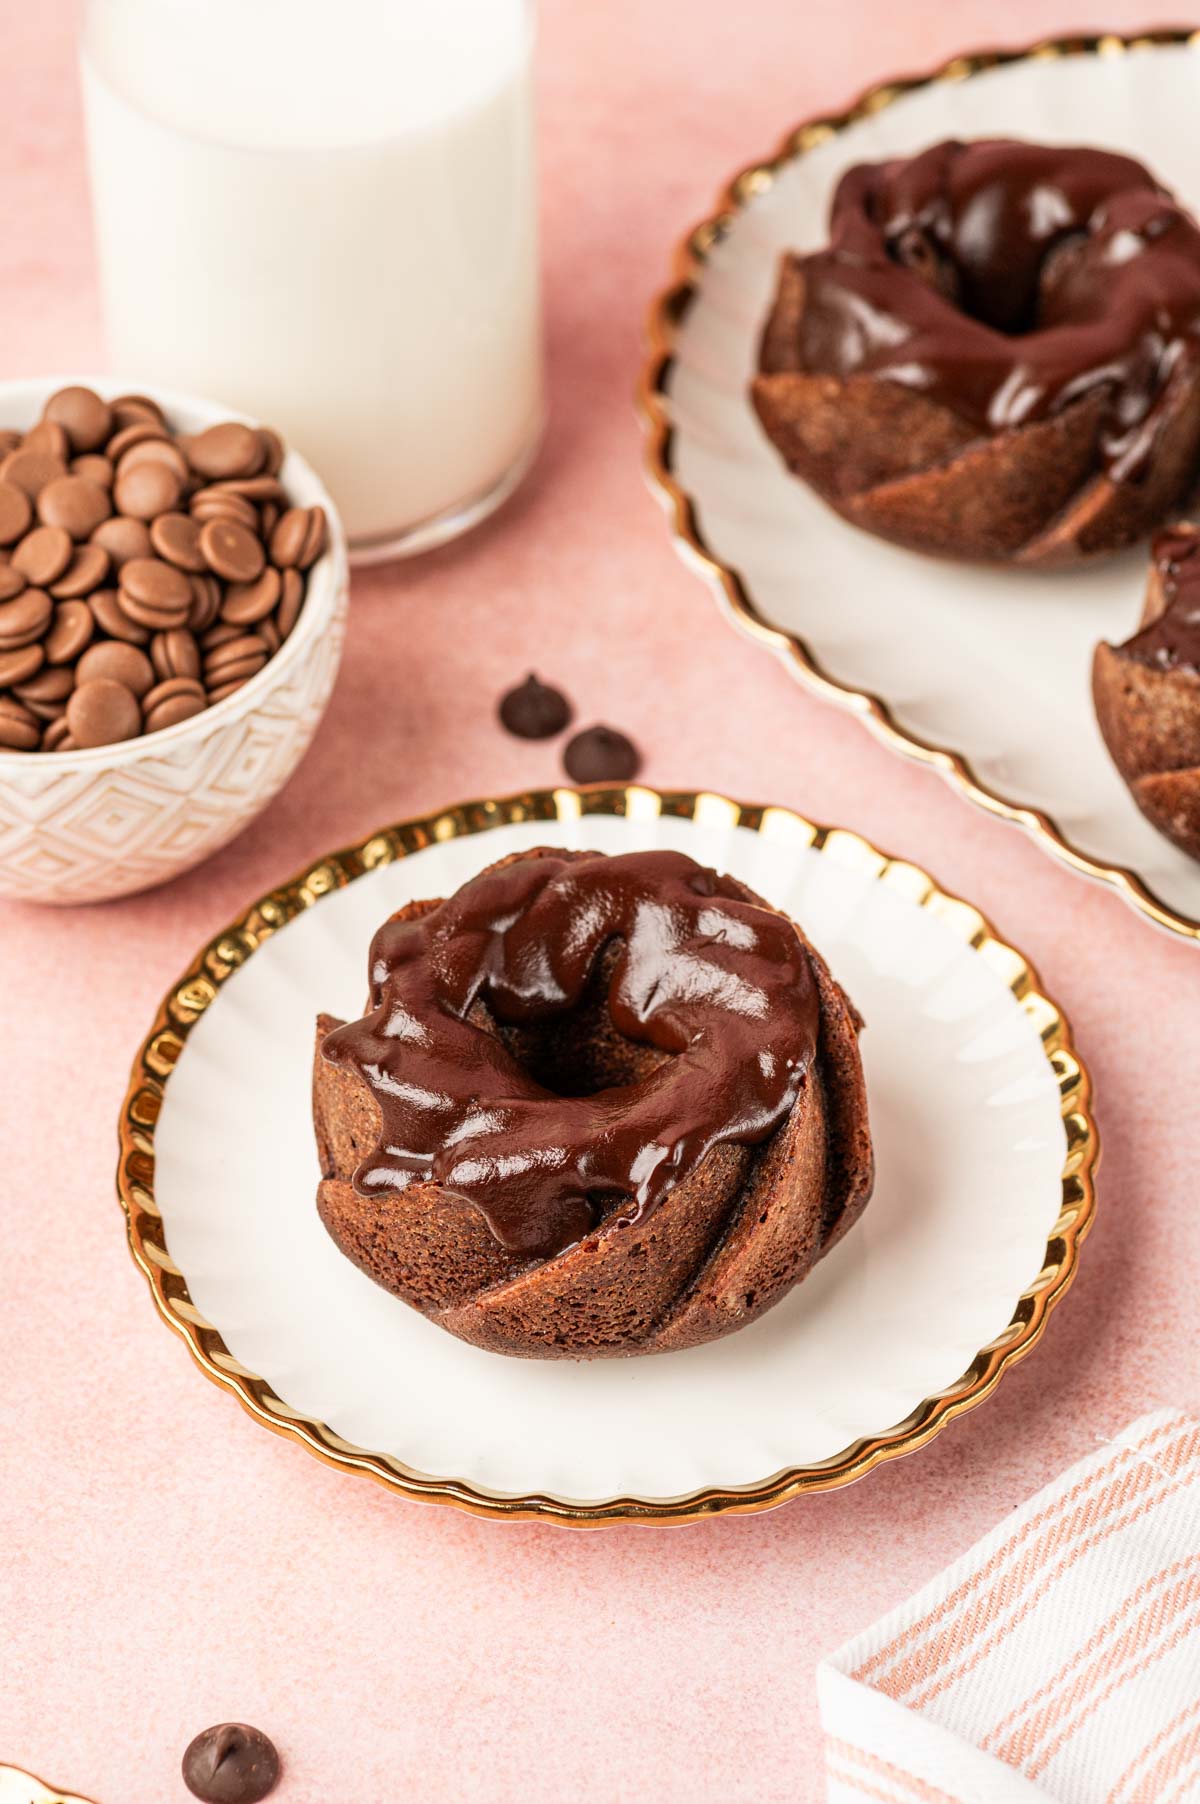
point(231, 1764)
point(601, 755)
point(533, 710)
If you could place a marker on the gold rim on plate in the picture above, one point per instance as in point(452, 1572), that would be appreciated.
point(19, 1787)
point(667, 313)
point(199, 985)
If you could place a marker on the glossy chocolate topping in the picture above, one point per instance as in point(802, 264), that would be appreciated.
point(721, 983)
point(1007, 280)
point(1172, 642)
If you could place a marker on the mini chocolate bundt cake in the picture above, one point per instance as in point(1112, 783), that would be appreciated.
point(997, 355)
point(1147, 693)
point(597, 1106)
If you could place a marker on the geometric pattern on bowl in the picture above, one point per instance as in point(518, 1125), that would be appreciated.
point(87, 826)
point(91, 834)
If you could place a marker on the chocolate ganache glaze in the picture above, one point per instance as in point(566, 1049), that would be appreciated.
point(1172, 641)
point(722, 983)
point(1007, 280)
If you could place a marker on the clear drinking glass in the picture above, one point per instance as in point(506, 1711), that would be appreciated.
point(325, 216)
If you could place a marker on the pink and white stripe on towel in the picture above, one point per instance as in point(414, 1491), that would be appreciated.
point(1059, 1659)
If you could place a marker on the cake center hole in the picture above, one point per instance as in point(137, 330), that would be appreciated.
point(581, 1053)
point(1011, 294)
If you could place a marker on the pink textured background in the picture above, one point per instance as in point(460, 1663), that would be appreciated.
point(165, 1563)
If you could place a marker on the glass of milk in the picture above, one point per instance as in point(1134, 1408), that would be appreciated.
point(324, 215)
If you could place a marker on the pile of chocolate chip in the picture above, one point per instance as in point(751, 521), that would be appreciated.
point(145, 574)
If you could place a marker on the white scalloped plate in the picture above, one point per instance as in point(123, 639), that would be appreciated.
point(984, 1147)
point(984, 673)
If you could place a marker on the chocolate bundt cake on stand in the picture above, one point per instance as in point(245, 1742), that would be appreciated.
point(598, 1106)
point(997, 355)
point(1147, 693)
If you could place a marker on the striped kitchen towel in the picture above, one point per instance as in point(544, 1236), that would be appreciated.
point(1059, 1659)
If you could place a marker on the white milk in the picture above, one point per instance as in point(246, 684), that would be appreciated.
point(325, 215)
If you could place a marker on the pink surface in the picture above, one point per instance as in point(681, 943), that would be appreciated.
point(165, 1563)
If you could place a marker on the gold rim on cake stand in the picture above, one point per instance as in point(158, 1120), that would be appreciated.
point(667, 313)
point(200, 984)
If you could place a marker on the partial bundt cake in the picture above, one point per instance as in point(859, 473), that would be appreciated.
point(597, 1106)
point(996, 356)
point(1147, 693)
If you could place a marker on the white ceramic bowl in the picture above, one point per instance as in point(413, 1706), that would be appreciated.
point(85, 826)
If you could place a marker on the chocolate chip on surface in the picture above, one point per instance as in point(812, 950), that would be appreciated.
point(534, 710)
point(231, 1763)
point(601, 755)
